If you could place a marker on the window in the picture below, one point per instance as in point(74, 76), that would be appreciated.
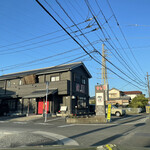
point(12, 104)
point(56, 78)
point(20, 82)
point(8, 83)
point(2, 84)
point(82, 102)
point(82, 88)
point(77, 87)
point(83, 80)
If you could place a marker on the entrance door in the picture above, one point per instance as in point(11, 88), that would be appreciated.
point(41, 106)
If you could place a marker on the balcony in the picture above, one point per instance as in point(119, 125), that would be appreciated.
point(22, 90)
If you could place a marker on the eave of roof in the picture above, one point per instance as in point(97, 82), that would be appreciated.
point(115, 89)
point(54, 69)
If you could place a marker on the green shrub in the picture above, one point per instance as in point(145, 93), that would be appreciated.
point(139, 102)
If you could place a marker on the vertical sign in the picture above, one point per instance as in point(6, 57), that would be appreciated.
point(109, 113)
point(99, 99)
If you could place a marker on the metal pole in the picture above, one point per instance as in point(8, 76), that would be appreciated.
point(47, 84)
point(148, 86)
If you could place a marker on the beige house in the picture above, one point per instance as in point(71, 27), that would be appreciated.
point(115, 93)
point(117, 97)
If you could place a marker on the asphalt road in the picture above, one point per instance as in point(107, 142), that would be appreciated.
point(129, 132)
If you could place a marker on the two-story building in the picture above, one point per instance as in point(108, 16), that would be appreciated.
point(25, 92)
point(118, 97)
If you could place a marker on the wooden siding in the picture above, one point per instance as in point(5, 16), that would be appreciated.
point(22, 90)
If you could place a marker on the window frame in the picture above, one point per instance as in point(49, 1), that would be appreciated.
point(54, 78)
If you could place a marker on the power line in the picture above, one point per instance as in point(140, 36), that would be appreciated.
point(118, 53)
point(88, 40)
point(40, 36)
point(45, 40)
point(104, 34)
point(78, 42)
point(107, 41)
point(41, 59)
point(55, 42)
point(124, 37)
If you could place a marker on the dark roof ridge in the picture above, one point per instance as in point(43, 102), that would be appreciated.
point(43, 68)
point(53, 69)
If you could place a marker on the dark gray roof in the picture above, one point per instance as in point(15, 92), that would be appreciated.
point(39, 93)
point(53, 69)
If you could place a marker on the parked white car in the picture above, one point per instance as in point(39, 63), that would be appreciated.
point(117, 111)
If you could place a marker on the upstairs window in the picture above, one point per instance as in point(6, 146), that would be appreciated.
point(20, 82)
point(55, 78)
point(83, 81)
point(1, 84)
point(8, 83)
point(82, 90)
point(77, 87)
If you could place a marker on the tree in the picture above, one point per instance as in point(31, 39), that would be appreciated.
point(140, 101)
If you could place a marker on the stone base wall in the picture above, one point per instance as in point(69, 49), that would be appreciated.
point(87, 120)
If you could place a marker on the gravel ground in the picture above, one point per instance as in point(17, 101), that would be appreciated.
point(23, 140)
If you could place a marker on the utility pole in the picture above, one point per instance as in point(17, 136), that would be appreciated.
point(104, 70)
point(104, 73)
point(148, 86)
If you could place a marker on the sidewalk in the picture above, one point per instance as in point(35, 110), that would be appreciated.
point(21, 118)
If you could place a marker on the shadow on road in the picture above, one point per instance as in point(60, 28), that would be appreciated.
point(108, 140)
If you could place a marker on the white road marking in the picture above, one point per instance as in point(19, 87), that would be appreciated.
point(109, 124)
point(65, 140)
point(68, 125)
point(54, 119)
point(43, 124)
point(20, 122)
point(4, 121)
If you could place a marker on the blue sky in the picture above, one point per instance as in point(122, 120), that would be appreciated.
point(31, 39)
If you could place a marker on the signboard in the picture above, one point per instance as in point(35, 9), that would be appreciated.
point(103, 88)
point(63, 108)
point(99, 99)
point(109, 113)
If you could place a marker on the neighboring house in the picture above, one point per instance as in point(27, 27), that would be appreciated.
point(115, 93)
point(132, 94)
point(117, 97)
point(25, 92)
